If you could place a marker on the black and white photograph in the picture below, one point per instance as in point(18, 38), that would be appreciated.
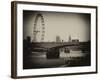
point(55, 39)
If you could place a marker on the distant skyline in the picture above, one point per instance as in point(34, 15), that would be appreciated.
point(76, 25)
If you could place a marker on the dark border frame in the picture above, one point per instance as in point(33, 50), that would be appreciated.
point(14, 37)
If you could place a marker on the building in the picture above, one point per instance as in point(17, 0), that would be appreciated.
point(58, 39)
point(69, 40)
point(75, 40)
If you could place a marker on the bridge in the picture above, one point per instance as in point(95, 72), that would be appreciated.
point(52, 48)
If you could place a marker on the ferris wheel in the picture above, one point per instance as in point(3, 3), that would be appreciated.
point(39, 28)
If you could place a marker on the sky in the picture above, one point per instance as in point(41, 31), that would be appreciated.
point(76, 25)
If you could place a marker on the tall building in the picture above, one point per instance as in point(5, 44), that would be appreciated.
point(58, 39)
point(69, 40)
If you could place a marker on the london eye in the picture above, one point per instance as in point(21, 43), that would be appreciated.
point(39, 28)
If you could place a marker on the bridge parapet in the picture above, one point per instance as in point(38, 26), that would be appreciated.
point(53, 44)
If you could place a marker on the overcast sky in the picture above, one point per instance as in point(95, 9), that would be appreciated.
point(58, 24)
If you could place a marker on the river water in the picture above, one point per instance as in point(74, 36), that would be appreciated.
point(74, 58)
